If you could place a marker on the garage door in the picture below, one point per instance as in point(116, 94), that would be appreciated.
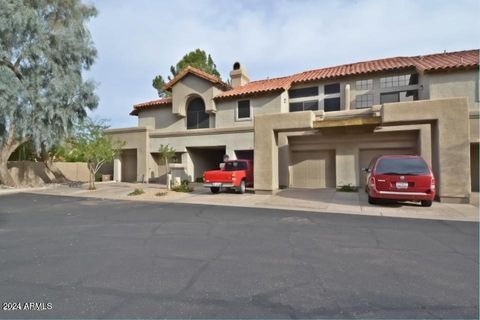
point(313, 169)
point(366, 155)
point(129, 165)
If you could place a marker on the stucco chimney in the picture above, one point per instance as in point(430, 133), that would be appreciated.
point(238, 76)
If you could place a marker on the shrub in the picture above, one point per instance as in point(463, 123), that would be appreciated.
point(347, 188)
point(161, 193)
point(183, 187)
point(199, 179)
point(136, 192)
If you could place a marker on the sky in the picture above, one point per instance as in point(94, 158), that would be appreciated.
point(139, 39)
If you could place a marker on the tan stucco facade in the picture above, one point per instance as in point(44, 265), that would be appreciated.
point(442, 127)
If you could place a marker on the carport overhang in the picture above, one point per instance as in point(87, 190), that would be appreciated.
point(448, 118)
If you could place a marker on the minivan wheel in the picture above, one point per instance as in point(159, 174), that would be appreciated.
point(214, 189)
point(372, 200)
point(426, 203)
point(241, 187)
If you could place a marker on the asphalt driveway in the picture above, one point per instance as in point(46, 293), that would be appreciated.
point(94, 258)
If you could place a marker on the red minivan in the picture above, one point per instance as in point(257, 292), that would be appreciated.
point(400, 177)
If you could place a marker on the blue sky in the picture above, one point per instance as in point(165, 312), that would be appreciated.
point(139, 39)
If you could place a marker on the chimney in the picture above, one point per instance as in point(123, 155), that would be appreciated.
point(238, 76)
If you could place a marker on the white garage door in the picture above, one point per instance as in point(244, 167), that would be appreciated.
point(313, 169)
point(366, 155)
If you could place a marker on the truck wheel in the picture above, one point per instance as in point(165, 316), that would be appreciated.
point(214, 189)
point(426, 203)
point(372, 200)
point(241, 187)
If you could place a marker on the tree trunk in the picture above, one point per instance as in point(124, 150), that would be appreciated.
point(59, 176)
point(5, 177)
point(5, 153)
point(91, 177)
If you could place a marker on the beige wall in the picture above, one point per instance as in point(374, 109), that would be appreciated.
point(161, 119)
point(226, 115)
point(36, 173)
point(453, 84)
point(193, 86)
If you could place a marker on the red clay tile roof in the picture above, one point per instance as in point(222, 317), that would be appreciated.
point(199, 73)
point(426, 63)
point(260, 86)
point(150, 105)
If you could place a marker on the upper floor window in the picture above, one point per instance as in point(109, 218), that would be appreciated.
point(399, 81)
point(364, 101)
point(331, 104)
point(303, 92)
point(364, 84)
point(332, 88)
point(304, 106)
point(399, 96)
point(196, 115)
point(243, 109)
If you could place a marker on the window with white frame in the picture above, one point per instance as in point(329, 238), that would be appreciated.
point(364, 101)
point(365, 84)
point(243, 110)
point(399, 81)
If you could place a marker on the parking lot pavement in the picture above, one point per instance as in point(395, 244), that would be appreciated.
point(101, 258)
point(312, 200)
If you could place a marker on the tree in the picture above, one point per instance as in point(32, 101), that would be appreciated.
point(197, 59)
point(166, 153)
point(44, 48)
point(94, 147)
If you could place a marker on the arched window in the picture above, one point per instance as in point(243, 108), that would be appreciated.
point(196, 115)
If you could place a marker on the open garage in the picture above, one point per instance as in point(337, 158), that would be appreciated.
point(205, 158)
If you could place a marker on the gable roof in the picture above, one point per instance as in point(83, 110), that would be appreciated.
point(150, 105)
point(199, 73)
point(426, 63)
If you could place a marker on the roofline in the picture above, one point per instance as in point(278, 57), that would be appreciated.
point(199, 73)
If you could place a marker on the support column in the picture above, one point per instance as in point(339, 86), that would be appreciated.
point(117, 169)
point(266, 145)
point(347, 97)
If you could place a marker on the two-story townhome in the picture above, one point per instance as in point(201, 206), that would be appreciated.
point(317, 128)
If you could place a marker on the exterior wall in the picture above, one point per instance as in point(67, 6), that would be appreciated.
point(32, 173)
point(189, 87)
point(226, 116)
point(347, 148)
point(376, 90)
point(453, 84)
point(135, 138)
point(161, 119)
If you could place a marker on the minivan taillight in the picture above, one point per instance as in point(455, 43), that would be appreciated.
point(432, 185)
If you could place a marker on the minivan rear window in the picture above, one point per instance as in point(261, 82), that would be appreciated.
point(235, 165)
point(403, 166)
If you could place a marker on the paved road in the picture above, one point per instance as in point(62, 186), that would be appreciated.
point(93, 258)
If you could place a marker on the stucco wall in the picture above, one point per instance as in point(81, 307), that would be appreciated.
point(36, 173)
point(226, 115)
point(191, 86)
point(453, 84)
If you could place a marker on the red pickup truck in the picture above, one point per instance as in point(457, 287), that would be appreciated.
point(235, 174)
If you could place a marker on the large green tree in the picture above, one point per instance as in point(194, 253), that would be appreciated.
point(44, 48)
point(198, 59)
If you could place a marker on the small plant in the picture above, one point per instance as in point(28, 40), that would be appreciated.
point(161, 193)
point(98, 177)
point(199, 179)
point(136, 192)
point(183, 187)
point(347, 188)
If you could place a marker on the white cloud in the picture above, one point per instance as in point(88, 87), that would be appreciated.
point(138, 39)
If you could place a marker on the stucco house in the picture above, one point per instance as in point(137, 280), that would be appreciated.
point(318, 128)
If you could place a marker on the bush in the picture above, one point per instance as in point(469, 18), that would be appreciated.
point(98, 177)
point(347, 188)
point(161, 193)
point(183, 187)
point(199, 179)
point(136, 192)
